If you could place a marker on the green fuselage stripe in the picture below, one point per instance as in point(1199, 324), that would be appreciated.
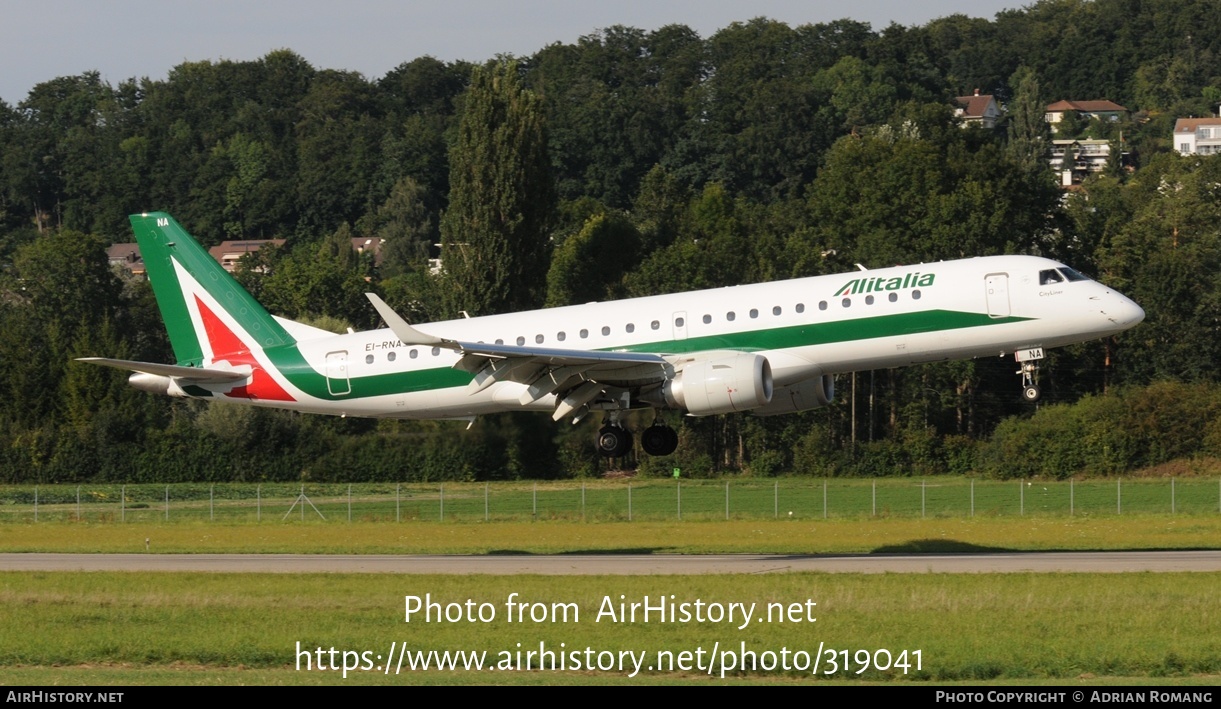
point(293, 365)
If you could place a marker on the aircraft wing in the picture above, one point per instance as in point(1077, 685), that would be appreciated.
point(578, 376)
point(198, 374)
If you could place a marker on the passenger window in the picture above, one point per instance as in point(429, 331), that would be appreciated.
point(584, 333)
point(412, 354)
point(605, 330)
point(915, 295)
point(520, 341)
point(846, 302)
point(656, 324)
point(801, 307)
point(560, 336)
point(776, 310)
point(368, 359)
point(630, 328)
point(707, 319)
point(730, 316)
point(893, 297)
point(822, 305)
point(679, 322)
point(1049, 276)
point(869, 300)
point(754, 313)
point(538, 339)
point(391, 357)
point(436, 351)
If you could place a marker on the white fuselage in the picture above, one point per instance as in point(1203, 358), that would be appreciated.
point(805, 328)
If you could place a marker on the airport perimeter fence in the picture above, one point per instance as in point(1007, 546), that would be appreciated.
point(636, 500)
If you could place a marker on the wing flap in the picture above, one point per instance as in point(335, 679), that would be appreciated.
point(574, 376)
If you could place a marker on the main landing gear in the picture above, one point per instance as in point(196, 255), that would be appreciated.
point(659, 439)
point(614, 440)
point(1028, 360)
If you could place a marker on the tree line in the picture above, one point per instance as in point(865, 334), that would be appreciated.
point(628, 163)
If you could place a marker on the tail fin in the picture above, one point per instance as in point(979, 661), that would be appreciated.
point(206, 312)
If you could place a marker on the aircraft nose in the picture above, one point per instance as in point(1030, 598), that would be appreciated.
point(1125, 312)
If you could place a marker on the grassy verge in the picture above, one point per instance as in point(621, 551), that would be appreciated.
point(636, 500)
point(204, 628)
point(896, 535)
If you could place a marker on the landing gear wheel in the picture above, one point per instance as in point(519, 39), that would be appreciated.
point(614, 441)
point(659, 440)
point(1029, 371)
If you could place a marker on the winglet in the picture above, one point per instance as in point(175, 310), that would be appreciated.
point(405, 332)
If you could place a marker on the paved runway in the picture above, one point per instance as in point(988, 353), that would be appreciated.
point(626, 564)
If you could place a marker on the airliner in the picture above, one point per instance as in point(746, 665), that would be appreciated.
point(768, 348)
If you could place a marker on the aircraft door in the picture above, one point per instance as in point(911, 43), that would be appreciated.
point(337, 373)
point(679, 320)
point(996, 286)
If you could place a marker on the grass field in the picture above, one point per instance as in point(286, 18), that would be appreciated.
point(610, 501)
point(889, 535)
point(134, 629)
point(236, 628)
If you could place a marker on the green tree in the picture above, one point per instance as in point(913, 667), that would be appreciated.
point(407, 226)
point(494, 234)
point(1028, 132)
point(590, 264)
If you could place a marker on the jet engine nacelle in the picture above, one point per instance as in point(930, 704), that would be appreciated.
point(721, 385)
point(804, 395)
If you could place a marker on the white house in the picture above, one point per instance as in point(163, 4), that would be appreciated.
point(1197, 136)
point(978, 109)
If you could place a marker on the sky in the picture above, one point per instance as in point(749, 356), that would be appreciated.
point(121, 39)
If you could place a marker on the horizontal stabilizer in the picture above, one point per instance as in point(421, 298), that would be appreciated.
point(198, 374)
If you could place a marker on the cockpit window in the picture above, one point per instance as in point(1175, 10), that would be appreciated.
point(1072, 275)
point(1050, 276)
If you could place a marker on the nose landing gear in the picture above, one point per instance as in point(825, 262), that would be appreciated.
point(1029, 363)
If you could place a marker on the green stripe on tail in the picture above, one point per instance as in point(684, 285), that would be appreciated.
point(162, 241)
